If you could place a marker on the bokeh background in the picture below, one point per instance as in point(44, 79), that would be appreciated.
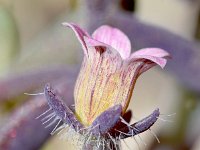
point(36, 49)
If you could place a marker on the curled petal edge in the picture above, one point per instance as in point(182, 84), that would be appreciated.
point(80, 33)
point(155, 55)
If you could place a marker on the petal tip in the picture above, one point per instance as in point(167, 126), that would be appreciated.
point(79, 32)
point(66, 24)
point(163, 63)
point(114, 38)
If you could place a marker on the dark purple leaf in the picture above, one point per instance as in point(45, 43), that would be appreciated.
point(140, 126)
point(21, 131)
point(59, 110)
point(106, 120)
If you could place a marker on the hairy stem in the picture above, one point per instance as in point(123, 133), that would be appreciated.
point(106, 144)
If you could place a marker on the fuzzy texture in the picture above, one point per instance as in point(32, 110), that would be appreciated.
point(60, 109)
point(140, 126)
point(106, 130)
point(21, 128)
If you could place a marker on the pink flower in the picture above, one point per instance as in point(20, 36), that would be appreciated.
point(109, 71)
point(103, 89)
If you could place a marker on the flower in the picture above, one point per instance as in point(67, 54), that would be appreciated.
point(109, 71)
point(103, 89)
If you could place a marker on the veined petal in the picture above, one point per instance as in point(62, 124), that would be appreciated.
point(80, 33)
point(139, 62)
point(115, 38)
point(96, 88)
point(129, 73)
point(109, 73)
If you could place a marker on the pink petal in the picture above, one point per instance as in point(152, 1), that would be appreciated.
point(134, 66)
point(159, 61)
point(115, 38)
point(157, 52)
point(94, 43)
point(154, 55)
point(80, 33)
point(99, 45)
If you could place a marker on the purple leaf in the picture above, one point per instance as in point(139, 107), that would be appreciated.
point(106, 120)
point(22, 131)
point(60, 109)
point(15, 85)
point(140, 126)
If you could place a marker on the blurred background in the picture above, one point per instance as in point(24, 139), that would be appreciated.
point(36, 49)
